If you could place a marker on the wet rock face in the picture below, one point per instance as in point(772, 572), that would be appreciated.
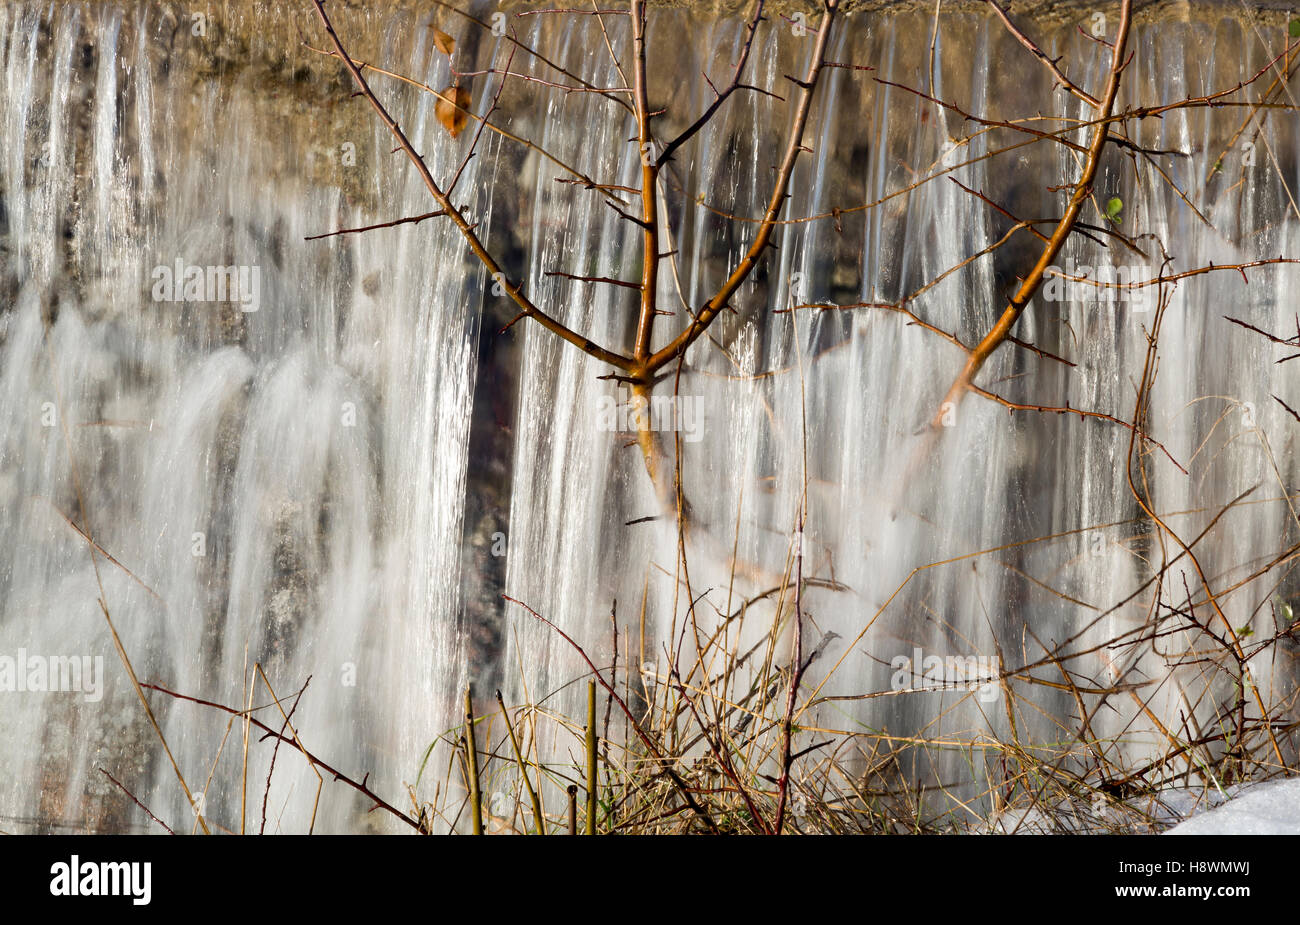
point(247, 131)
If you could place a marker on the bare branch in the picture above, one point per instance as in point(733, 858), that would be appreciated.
point(1082, 187)
point(723, 96)
point(794, 146)
point(466, 229)
point(578, 175)
point(510, 37)
point(594, 279)
point(359, 786)
point(1050, 63)
point(411, 220)
point(134, 799)
point(1066, 409)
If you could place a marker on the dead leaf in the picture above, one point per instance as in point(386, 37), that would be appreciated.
point(445, 43)
point(452, 118)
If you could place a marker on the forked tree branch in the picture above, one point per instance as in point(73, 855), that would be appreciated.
point(715, 305)
point(532, 52)
point(1049, 63)
point(514, 290)
point(724, 95)
point(999, 333)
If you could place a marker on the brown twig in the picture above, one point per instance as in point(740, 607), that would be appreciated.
point(266, 794)
point(997, 335)
point(663, 761)
point(721, 97)
point(715, 305)
point(494, 270)
point(359, 786)
point(136, 801)
point(411, 220)
point(1049, 63)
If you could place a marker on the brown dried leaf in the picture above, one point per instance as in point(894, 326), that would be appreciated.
point(453, 119)
point(445, 43)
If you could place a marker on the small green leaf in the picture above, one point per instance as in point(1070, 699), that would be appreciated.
point(1113, 209)
point(1244, 631)
point(1293, 28)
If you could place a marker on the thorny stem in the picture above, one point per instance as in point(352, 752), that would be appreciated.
point(715, 305)
point(359, 786)
point(649, 186)
point(1038, 53)
point(1082, 188)
point(514, 290)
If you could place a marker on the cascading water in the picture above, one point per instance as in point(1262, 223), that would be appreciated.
point(340, 483)
point(282, 483)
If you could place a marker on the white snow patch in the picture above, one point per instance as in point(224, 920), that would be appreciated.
point(1270, 808)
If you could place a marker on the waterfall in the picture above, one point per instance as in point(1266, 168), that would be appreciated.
point(337, 465)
